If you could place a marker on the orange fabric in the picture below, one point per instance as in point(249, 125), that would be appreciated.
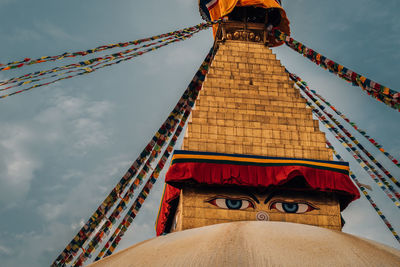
point(224, 7)
point(259, 3)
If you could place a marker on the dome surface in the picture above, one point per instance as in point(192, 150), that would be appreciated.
point(255, 244)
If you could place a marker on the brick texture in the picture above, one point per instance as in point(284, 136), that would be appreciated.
point(248, 105)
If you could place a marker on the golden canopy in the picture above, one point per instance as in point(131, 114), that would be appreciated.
point(216, 9)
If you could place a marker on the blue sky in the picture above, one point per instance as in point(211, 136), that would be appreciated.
point(63, 147)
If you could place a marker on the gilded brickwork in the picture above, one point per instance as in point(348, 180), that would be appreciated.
point(248, 105)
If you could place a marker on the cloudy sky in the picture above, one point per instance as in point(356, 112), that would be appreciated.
point(63, 147)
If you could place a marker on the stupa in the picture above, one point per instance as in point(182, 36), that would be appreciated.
point(254, 183)
point(252, 150)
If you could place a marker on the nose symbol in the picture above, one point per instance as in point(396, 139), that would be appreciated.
point(262, 216)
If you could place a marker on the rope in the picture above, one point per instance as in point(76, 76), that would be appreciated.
point(353, 124)
point(298, 82)
point(367, 196)
point(356, 155)
point(374, 89)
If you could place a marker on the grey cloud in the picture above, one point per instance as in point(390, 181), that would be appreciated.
point(17, 164)
point(77, 138)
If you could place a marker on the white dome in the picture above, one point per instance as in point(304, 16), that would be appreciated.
point(255, 244)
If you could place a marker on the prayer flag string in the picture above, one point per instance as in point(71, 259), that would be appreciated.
point(374, 89)
point(302, 86)
point(195, 86)
point(114, 240)
point(101, 234)
point(86, 68)
point(179, 34)
point(158, 140)
point(97, 217)
point(24, 79)
point(367, 196)
point(122, 205)
point(353, 124)
point(29, 61)
point(382, 183)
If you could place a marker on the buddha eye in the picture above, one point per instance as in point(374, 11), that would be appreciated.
point(231, 203)
point(291, 207)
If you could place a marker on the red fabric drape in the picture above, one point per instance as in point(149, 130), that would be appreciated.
point(251, 176)
point(258, 176)
point(170, 194)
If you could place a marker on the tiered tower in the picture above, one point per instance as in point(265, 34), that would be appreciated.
point(249, 106)
point(252, 150)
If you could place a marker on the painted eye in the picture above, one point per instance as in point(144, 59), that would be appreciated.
point(231, 203)
point(291, 207)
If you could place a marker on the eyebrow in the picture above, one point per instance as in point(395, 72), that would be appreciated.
point(250, 195)
point(271, 195)
point(275, 193)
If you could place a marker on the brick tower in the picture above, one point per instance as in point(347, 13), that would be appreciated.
point(248, 105)
point(252, 150)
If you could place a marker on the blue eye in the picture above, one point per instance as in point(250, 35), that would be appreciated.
point(290, 207)
point(233, 204)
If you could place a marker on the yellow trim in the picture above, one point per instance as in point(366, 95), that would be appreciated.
point(256, 160)
point(159, 207)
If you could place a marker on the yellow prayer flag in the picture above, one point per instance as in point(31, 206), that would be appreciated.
point(386, 90)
